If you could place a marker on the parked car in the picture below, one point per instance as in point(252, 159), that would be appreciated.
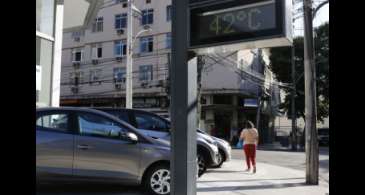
point(79, 144)
point(224, 149)
point(323, 136)
point(157, 127)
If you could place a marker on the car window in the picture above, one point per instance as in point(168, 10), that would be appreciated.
point(53, 121)
point(98, 126)
point(150, 122)
point(120, 114)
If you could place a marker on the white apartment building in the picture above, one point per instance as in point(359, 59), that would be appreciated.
point(93, 60)
point(93, 69)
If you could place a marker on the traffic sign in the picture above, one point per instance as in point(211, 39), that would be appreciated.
point(218, 25)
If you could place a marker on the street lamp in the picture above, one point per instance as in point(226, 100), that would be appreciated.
point(129, 53)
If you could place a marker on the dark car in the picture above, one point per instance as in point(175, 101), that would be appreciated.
point(224, 149)
point(157, 127)
point(323, 136)
point(78, 144)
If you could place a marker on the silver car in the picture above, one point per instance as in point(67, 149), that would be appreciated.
point(85, 144)
point(225, 150)
point(155, 126)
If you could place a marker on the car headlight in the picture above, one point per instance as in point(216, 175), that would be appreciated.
point(210, 141)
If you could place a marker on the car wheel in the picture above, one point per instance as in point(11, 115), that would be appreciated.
point(220, 159)
point(157, 180)
point(202, 164)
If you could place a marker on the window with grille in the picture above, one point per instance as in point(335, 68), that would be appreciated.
point(145, 73)
point(147, 16)
point(120, 48)
point(146, 44)
point(98, 25)
point(168, 40)
point(120, 21)
point(119, 75)
point(95, 76)
point(97, 51)
point(168, 13)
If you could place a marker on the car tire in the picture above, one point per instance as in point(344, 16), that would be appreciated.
point(220, 159)
point(202, 164)
point(157, 180)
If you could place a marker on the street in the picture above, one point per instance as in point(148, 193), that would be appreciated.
point(280, 172)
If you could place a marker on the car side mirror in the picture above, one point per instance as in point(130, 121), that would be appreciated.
point(132, 137)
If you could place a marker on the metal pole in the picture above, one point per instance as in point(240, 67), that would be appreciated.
point(129, 53)
point(293, 93)
point(311, 144)
point(184, 102)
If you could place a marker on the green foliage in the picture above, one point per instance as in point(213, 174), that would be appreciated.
point(280, 64)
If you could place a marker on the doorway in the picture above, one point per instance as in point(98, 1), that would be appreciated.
point(222, 121)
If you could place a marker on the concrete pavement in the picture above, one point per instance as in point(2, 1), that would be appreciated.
point(269, 179)
point(289, 159)
point(230, 179)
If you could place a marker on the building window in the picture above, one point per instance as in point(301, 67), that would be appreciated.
point(119, 75)
point(76, 78)
point(168, 40)
point(146, 44)
point(147, 17)
point(95, 76)
point(121, 1)
point(98, 25)
point(120, 21)
point(120, 48)
point(97, 51)
point(148, 1)
point(145, 73)
point(168, 13)
point(222, 99)
point(77, 55)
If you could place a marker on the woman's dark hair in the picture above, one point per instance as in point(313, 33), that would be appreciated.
point(249, 124)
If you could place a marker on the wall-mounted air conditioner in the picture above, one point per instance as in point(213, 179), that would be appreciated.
point(95, 61)
point(118, 86)
point(77, 39)
point(75, 89)
point(118, 58)
point(120, 31)
point(76, 64)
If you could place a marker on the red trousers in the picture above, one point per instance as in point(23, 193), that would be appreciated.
point(250, 152)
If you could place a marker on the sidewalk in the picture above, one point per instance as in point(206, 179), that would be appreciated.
point(269, 179)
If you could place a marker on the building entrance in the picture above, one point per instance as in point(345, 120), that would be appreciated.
point(222, 122)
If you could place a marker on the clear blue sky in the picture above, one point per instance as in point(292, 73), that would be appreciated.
point(322, 17)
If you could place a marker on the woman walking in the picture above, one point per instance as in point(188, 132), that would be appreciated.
point(250, 137)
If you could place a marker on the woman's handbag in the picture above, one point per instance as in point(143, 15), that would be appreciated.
point(239, 144)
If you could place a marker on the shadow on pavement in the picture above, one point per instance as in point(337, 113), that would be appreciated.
point(248, 180)
point(252, 187)
point(220, 171)
point(87, 189)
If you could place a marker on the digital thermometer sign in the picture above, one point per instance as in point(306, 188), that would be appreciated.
point(217, 23)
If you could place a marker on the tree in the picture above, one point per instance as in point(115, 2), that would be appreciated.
point(280, 64)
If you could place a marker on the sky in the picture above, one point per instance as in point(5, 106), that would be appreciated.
point(322, 17)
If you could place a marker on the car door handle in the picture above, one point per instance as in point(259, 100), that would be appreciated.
point(84, 147)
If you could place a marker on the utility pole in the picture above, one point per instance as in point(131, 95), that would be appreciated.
point(293, 94)
point(183, 104)
point(311, 141)
point(201, 63)
point(129, 53)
